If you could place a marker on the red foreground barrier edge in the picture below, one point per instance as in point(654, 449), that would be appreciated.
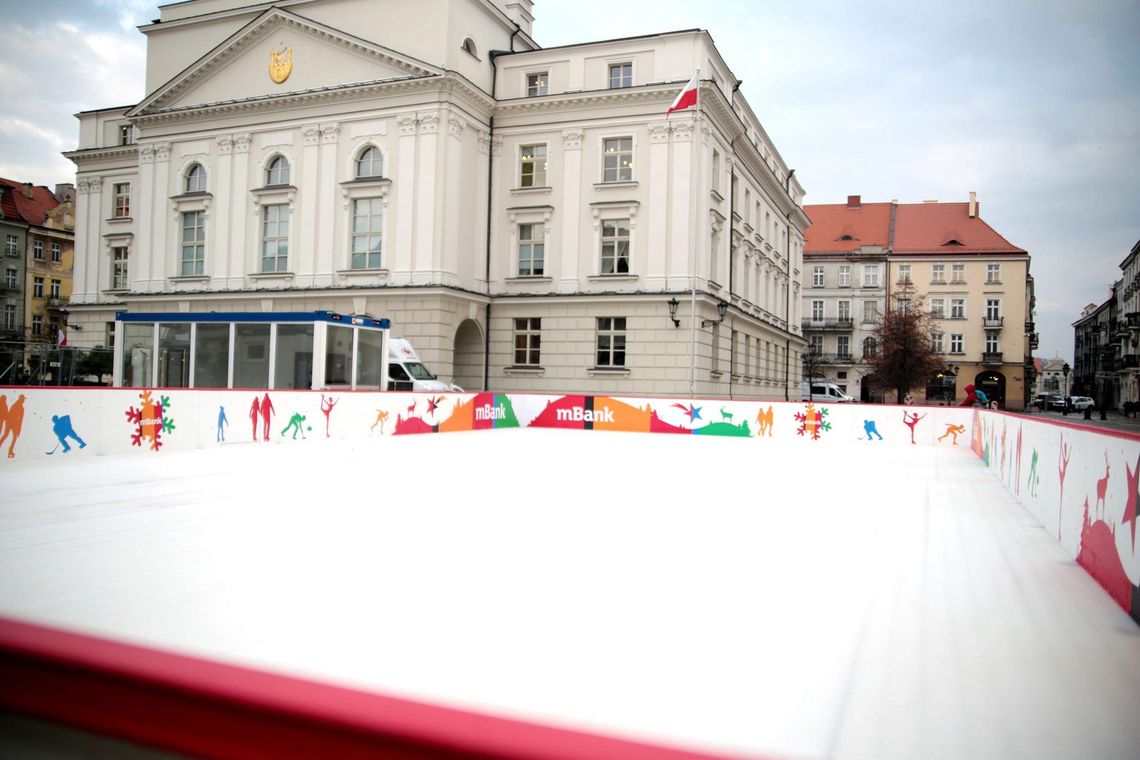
point(211, 709)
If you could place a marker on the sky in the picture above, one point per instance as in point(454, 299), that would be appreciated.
point(1035, 105)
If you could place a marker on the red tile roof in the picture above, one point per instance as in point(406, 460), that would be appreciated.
point(28, 203)
point(933, 228)
point(839, 228)
point(916, 228)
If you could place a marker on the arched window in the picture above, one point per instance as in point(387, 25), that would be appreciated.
point(195, 179)
point(278, 172)
point(469, 46)
point(870, 347)
point(370, 163)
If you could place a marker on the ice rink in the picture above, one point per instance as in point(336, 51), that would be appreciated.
point(721, 594)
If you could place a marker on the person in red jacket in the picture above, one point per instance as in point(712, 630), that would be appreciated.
point(971, 397)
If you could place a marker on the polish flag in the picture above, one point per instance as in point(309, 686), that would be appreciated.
point(687, 97)
point(62, 337)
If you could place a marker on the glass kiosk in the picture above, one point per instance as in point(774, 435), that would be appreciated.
point(261, 350)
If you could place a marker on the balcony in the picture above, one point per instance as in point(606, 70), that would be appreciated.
point(828, 359)
point(1029, 327)
point(54, 303)
point(991, 357)
point(1034, 341)
point(827, 325)
point(992, 323)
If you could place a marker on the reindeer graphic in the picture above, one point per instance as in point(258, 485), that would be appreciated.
point(1102, 487)
point(725, 416)
point(411, 409)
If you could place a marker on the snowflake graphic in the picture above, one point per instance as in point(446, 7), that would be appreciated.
point(150, 421)
point(812, 421)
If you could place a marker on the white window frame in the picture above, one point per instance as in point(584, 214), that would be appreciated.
point(843, 309)
point(37, 248)
point(937, 343)
point(282, 172)
point(957, 308)
point(120, 267)
point(9, 316)
point(623, 84)
point(538, 87)
point(197, 247)
point(53, 289)
point(37, 287)
point(993, 273)
point(871, 276)
point(615, 240)
point(374, 164)
point(817, 310)
point(618, 168)
point(195, 178)
point(56, 251)
point(938, 308)
point(37, 324)
point(535, 239)
point(870, 311)
point(840, 340)
point(993, 308)
point(957, 343)
point(121, 200)
point(817, 276)
point(958, 273)
point(536, 158)
point(11, 278)
point(367, 235)
point(904, 273)
point(993, 343)
point(938, 273)
point(844, 275)
point(279, 263)
point(611, 330)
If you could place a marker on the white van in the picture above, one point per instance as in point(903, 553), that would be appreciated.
point(407, 373)
point(819, 389)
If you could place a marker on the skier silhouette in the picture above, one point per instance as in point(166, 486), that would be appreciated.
point(327, 407)
point(295, 424)
point(12, 422)
point(222, 422)
point(63, 430)
point(911, 422)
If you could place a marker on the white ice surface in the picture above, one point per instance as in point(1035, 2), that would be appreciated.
point(715, 593)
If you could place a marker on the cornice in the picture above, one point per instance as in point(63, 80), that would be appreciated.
point(85, 155)
point(446, 83)
point(589, 99)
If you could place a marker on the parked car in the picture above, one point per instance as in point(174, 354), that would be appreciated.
point(1080, 403)
point(1055, 401)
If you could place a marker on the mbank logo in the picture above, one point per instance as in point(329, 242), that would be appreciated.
point(490, 412)
point(578, 414)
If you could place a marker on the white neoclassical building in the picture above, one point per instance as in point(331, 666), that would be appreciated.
point(527, 217)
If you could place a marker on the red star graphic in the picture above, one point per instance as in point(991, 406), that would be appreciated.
point(1130, 506)
point(433, 403)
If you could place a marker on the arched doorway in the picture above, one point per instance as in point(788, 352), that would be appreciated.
point(993, 385)
point(469, 356)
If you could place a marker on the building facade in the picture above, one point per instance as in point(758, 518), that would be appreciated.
point(528, 218)
point(37, 228)
point(975, 284)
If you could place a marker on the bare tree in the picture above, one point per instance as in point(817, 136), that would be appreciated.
point(904, 356)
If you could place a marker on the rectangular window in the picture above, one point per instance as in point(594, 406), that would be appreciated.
point(56, 252)
point(993, 274)
point(621, 75)
point(957, 308)
point(37, 324)
point(367, 240)
point(817, 311)
point(120, 272)
point(615, 246)
point(193, 243)
point(870, 311)
point(843, 346)
point(538, 83)
point(938, 308)
point(10, 278)
point(957, 345)
point(532, 167)
point(212, 355)
point(871, 276)
point(126, 134)
point(844, 275)
point(993, 308)
point(9, 317)
point(528, 341)
point(54, 292)
point(936, 343)
point(532, 250)
point(38, 287)
point(992, 346)
point(38, 250)
point(121, 197)
point(715, 178)
point(957, 273)
point(12, 246)
point(817, 276)
point(275, 238)
point(53, 328)
point(815, 345)
point(904, 273)
point(938, 273)
point(844, 311)
point(611, 341)
point(617, 159)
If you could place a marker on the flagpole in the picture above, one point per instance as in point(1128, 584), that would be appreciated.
point(694, 239)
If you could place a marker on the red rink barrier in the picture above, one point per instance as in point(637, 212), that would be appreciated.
point(210, 709)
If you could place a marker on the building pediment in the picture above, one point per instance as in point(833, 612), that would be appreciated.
point(280, 54)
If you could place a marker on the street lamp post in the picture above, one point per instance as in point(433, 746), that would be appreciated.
point(1065, 371)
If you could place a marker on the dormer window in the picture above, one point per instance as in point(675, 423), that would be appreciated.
point(195, 179)
point(278, 172)
point(370, 163)
point(846, 237)
point(953, 241)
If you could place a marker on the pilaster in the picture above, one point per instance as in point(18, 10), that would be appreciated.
point(569, 259)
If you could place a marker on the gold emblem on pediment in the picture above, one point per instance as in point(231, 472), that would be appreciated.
point(280, 64)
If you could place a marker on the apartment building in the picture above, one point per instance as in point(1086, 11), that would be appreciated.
point(975, 284)
point(529, 218)
point(1106, 357)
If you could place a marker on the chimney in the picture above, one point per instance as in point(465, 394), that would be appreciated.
point(28, 190)
point(65, 192)
point(522, 13)
point(973, 205)
point(853, 201)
